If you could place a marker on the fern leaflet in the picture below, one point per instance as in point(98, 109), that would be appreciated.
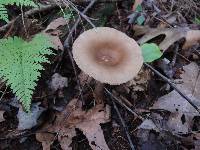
point(20, 64)
point(3, 3)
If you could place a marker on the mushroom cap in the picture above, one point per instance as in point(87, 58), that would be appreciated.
point(107, 55)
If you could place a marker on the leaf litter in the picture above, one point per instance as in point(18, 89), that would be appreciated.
point(182, 113)
point(74, 117)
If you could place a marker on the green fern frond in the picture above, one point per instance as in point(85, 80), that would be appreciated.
point(3, 3)
point(20, 64)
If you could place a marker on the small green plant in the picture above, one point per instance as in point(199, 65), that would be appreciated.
point(150, 52)
point(20, 64)
point(140, 20)
point(197, 21)
point(3, 3)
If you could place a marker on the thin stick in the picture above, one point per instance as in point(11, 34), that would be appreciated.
point(80, 13)
point(122, 104)
point(173, 86)
point(124, 125)
point(68, 39)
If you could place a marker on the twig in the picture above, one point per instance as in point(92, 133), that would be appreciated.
point(124, 125)
point(80, 13)
point(183, 57)
point(122, 104)
point(173, 86)
point(28, 13)
point(68, 39)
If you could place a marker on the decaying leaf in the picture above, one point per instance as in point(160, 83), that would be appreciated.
point(172, 35)
point(29, 120)
point(58, 82)
point(45, 138)
point(1, 116)
point(53, 32)
point(74, 117)
point(55, 24)
point(192, 37)
point(139, 83)
point(182, 112)
point(148, 124)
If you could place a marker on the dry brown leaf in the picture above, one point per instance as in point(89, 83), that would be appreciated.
point(88, 122)
point(192, 37)
point(172, 35)
point(177, 105)
point(1, 116)
point(53, 32)
point(45, 138)
point(55, 24)
point(139, 83)
point(136, 3)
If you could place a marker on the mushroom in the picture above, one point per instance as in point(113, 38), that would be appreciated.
point(107, 55)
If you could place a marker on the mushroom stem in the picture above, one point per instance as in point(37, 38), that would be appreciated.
point(99, 92)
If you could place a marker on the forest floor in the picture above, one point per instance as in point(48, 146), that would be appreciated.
point(70, 110)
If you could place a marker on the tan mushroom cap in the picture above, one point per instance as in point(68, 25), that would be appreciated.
point(107, 55)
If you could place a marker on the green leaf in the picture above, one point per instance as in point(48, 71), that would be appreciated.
point(139, 8)
point(197, 21)
point(150, 52)
point(140, 20)
point(20, 64)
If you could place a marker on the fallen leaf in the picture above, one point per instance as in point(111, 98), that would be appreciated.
point(148, 124)
point(172, 35)
point(29, 120)
point(58, 82)
point(55, 24)
point(139, 83)
point(87, 121)
point(182, 113)
point(54, 37)
point(192, 37)
point(53, 32)
point(45, 138)
point(1, 116)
